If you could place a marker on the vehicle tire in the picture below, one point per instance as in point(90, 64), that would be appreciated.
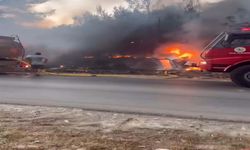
point(241, 76)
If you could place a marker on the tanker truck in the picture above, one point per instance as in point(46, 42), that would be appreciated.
point(11, 55)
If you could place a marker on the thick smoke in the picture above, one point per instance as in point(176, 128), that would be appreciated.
point(138, 29)
point(218, 17)
point(209, 20)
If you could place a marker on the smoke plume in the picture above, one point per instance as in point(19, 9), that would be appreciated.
point(138, 28)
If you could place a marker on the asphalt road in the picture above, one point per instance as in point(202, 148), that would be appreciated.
point(185, 98)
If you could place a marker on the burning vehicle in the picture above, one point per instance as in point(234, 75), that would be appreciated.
point(178, 57)
point(11, 55)
point(169, 58)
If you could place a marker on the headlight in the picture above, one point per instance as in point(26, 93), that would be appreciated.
point(27, 66)
point(203, 63)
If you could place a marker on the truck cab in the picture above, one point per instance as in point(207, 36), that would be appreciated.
point(229, 52)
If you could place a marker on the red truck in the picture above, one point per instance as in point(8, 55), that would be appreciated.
point(229, 52)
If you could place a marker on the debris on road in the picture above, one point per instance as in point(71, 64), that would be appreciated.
point(33, 127)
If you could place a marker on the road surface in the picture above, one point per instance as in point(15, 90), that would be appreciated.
point(185, 98)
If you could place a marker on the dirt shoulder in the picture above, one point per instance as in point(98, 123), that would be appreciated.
point(38, 128)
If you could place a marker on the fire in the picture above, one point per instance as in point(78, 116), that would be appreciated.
point(175, 51)
point(178, 52)
point(193, 69)
point(121, 56)
point(186, 56)
point(165, 63)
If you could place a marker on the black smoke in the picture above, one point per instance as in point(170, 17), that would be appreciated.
point(140, 28)
point(128, 31)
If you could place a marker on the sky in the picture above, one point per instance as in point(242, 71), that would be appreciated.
point(53, 13)
point(50, 13)
point(36, 19)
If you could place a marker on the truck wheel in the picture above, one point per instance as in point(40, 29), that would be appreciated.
point(241, 76)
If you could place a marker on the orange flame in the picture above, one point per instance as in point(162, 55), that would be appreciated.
point(181, 54)
point(165, 63)
point(193, 69)
point(121, 56)
point(180, 51)
point(186, 56)
point(175, 51)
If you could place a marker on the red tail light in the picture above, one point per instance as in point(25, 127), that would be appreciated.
point(24, 65)
point(245, 29)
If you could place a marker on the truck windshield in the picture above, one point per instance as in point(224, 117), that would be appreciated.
point(219, 38)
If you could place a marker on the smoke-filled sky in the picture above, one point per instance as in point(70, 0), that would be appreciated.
point(50, 23)
point(38, 17)
point(54, 13)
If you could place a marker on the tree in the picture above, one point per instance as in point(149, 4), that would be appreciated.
point(102, 13)
point(140, 5)
point(192, 7)
point(147, 4)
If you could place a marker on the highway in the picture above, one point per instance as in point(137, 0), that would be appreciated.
point(173, 97)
